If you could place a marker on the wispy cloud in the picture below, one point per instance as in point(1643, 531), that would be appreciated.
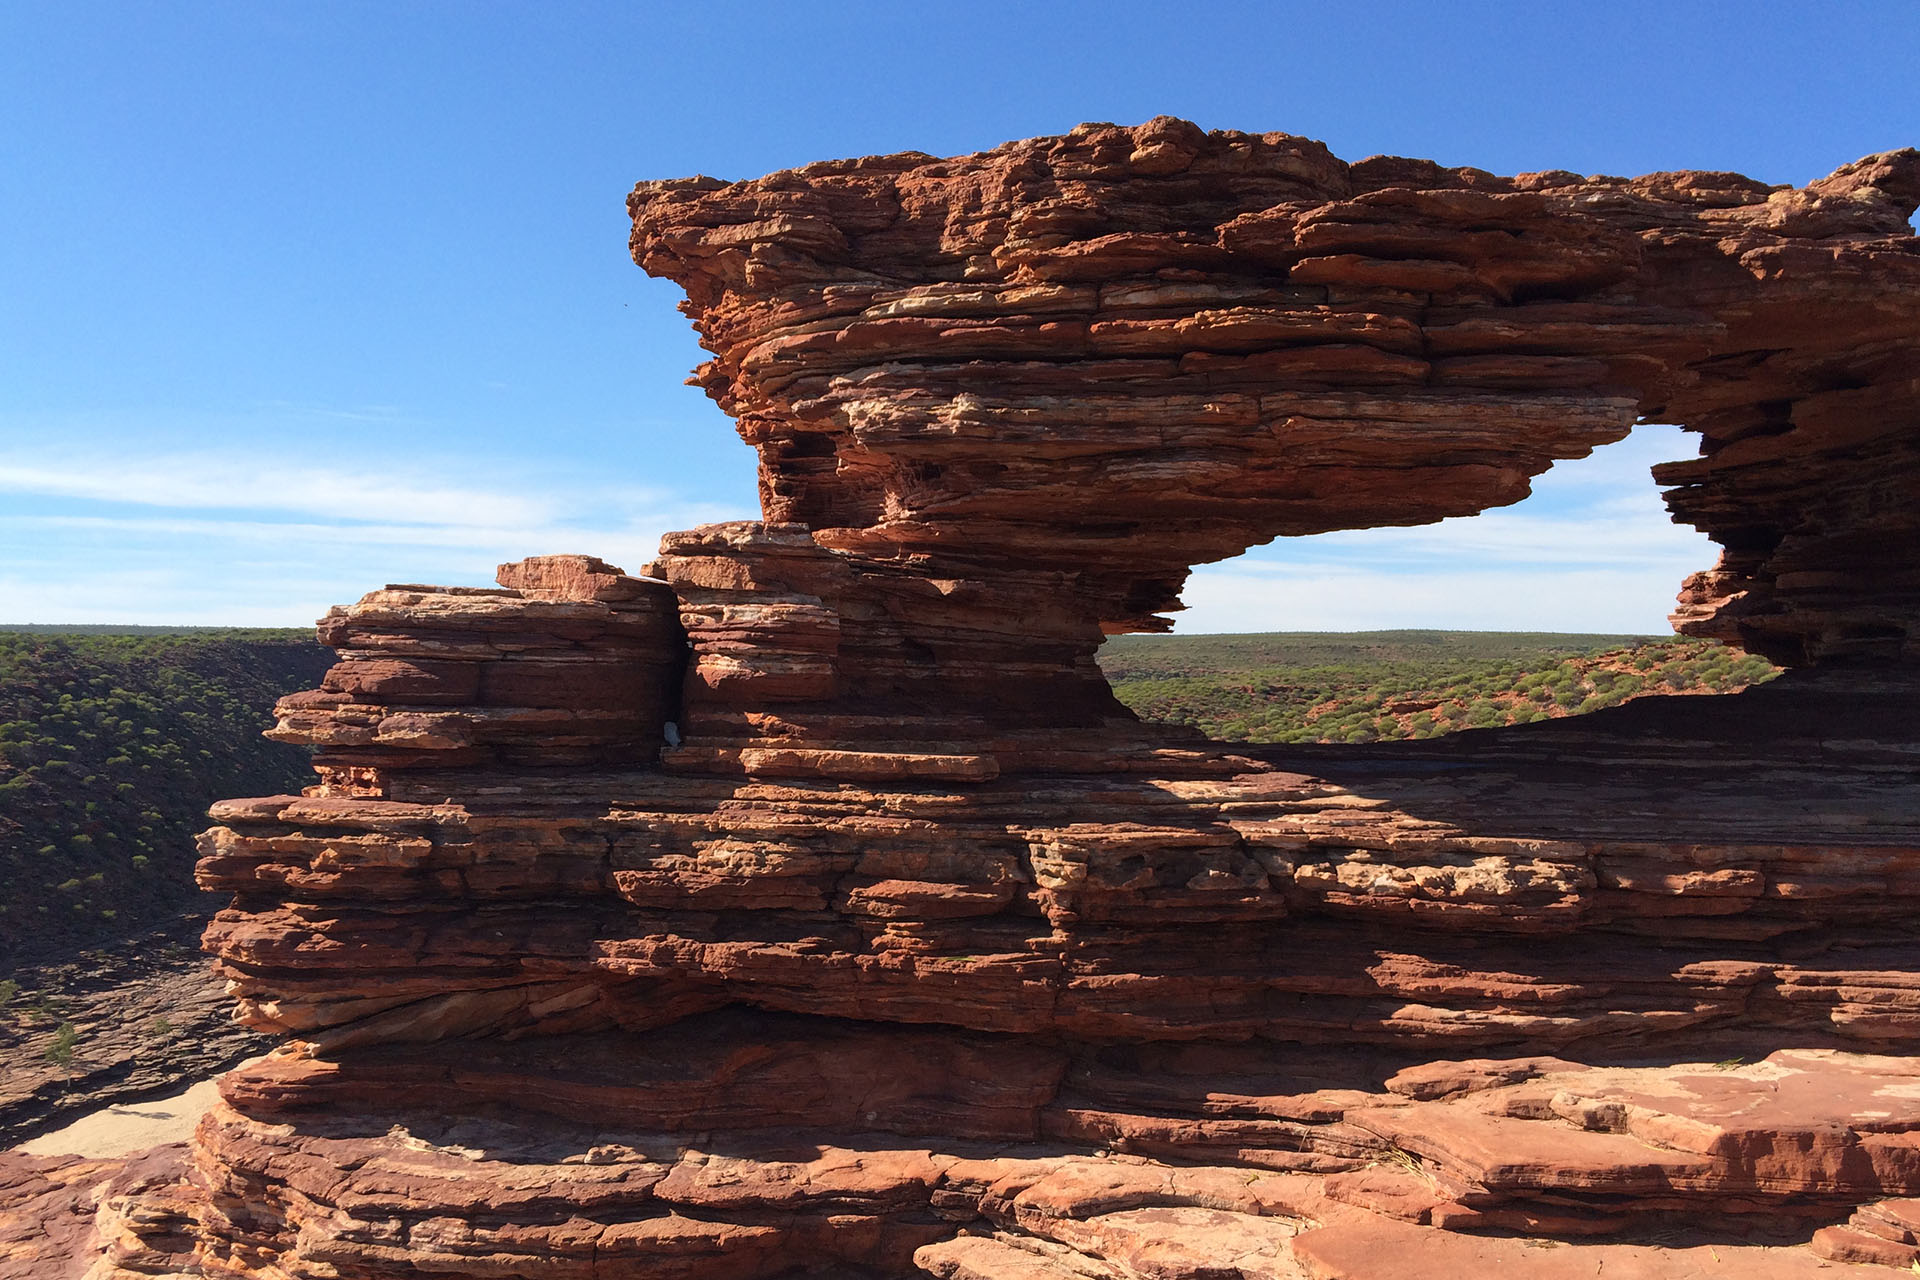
point(231, 482)
point(1618, 533)
point(262, 533)
point(231, 536)
point(338, 413)
point(244, 536)
point(1593, 550)
point(1323, 598)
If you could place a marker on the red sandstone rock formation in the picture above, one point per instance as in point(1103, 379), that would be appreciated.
point(1113, 355)
point(916, 955)
point(571, 662)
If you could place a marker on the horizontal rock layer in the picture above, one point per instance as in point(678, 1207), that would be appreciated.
point(1444, 894)
point(863, 1154)
point(809, 662)
point(108, 1219)
point(571, 662)
point(1118, 353)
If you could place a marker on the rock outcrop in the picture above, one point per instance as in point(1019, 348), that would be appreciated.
point(1116, 354)
point(807, 905)
point(569, 662)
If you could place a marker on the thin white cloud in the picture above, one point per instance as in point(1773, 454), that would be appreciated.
point(1594, 549)
point(234, 537)
point(239, 483)
point(1330, 599)
point(354, 413)
point(166, 596)
point(238, 537)
point(1623, 464)
point(465, 537)
point(1616, 536)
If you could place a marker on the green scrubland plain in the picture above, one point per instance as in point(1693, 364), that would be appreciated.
point(1380, 685)
point(113, 742)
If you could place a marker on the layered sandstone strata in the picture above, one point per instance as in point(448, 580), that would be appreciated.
point(568, 662)
point(1119, 353)
point(1331, 894)
point(909, 952)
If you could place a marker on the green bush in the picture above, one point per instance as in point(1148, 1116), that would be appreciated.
point(60, 1051)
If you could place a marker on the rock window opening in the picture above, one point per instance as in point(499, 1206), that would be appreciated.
point(1549, 608)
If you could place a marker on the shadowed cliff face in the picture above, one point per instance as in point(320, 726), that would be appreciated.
point(917, 955)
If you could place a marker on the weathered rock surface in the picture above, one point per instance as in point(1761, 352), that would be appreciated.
point(910, 952)
point(880, 1159)
point(1430, 895)
point(62, 1217)
point(1112, 355)
point(568, 662)
point(148, 1018)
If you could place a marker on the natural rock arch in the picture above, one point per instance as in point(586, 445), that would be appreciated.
point(1109, 356)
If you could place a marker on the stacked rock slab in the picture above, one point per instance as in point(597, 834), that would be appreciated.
point(916, 955)
point(568, 662)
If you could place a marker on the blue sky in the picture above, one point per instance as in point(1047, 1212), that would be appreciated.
point(300, 299)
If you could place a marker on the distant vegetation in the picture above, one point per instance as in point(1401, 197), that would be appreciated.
point(112, 745)
point(1371, 686)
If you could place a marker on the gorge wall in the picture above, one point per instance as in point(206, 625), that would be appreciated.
point(905, 950)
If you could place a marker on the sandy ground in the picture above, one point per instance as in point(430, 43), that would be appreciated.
point(148, 1018)
point(131, 1126)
